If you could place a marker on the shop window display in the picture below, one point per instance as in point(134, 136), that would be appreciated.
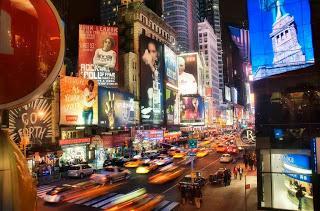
point(74, 155)
point(286, 179)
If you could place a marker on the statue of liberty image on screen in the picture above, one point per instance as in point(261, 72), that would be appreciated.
point(287, 51)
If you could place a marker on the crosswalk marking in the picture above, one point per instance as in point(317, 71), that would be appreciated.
point(42, 190)
point(161, 205)
point(92, 202)
point(103, 203)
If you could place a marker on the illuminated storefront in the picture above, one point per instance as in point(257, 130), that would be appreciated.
point(75, 151)
point(283, 173)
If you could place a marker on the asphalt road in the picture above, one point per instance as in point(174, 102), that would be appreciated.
point(206, 165)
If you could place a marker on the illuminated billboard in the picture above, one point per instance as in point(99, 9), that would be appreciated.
point(192, 109)
point(98, 54)
point(151, 81)
point(172, 106)
point(170, 65)
point(33, 120)
point(280, 36)
point(116, 108)
point(78, 101)
point(188, 74)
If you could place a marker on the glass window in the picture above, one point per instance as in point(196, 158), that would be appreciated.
point(286, 174)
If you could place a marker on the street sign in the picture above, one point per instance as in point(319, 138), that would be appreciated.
point(30, 57)
point(192, 143)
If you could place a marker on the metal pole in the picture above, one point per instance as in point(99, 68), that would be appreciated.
point(245, 192)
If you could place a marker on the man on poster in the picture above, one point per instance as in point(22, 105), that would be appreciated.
point(151, 81)
point(187, 82)
point(89, 97)
point(105, 57)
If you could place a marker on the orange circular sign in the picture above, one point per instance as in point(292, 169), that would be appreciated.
point(31, 49)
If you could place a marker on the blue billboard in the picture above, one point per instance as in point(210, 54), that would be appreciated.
point(170, 66)
point(280, 36)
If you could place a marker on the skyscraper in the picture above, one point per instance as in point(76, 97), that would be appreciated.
point(210, 10)
point(183, 16)
point(208, 48)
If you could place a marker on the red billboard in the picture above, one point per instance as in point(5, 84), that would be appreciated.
point(98, 54)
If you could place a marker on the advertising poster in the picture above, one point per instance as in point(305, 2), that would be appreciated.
point(172, 107)
point(280, 36)
point(170, 63)
point(98, 54)
point(78, 101)
point(188, 74)
point(116, 108)
point(151, 77)
point(33, 121)
point(192, 109)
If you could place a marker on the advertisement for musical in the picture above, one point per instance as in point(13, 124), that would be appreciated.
point(33, 121)
point(188, 74)
point(172, 106)
point(116, 108)
point(170, 63)
point(192, 109)
point(151, 77)
point(78, 101)
point(98, 54)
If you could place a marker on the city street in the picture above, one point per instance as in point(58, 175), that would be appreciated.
point(206, 165)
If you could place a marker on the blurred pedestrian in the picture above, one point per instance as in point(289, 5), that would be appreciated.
point(240, 171)
point(225, 178)
point(245, 160)
point(251, 163)
point(235, 172)
point(299, 195)
point(197, 196)
point(183, 194)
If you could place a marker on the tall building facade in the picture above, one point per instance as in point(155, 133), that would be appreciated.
point(208, 48)
point(109, 9)
point(183, 16)
point(210, 10)
point(137, 19)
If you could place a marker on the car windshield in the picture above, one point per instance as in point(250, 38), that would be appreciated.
point(75, 168)
point(57, 190)
point(146, 164)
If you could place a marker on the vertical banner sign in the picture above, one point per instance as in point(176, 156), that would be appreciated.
point(78, 101)
point(170, 63)
point(98, 54)
point(32, 120)
point(151, 77)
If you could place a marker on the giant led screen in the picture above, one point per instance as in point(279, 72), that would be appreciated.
point(280, 36)
point(151, 81)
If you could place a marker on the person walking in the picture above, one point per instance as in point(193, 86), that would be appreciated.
point(240, 171)
point(197, 196)
point(235, 172)
point(251, 163)
point(245, 160)
point(299, 195)
point(225, 178)
point(183, 194)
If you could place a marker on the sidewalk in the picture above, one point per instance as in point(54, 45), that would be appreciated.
point(230, 198)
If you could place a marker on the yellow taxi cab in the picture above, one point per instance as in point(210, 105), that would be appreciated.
point(179, 154)
point(133, 163)
point(145, 168)
point(164, 177)
point(202, 153)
